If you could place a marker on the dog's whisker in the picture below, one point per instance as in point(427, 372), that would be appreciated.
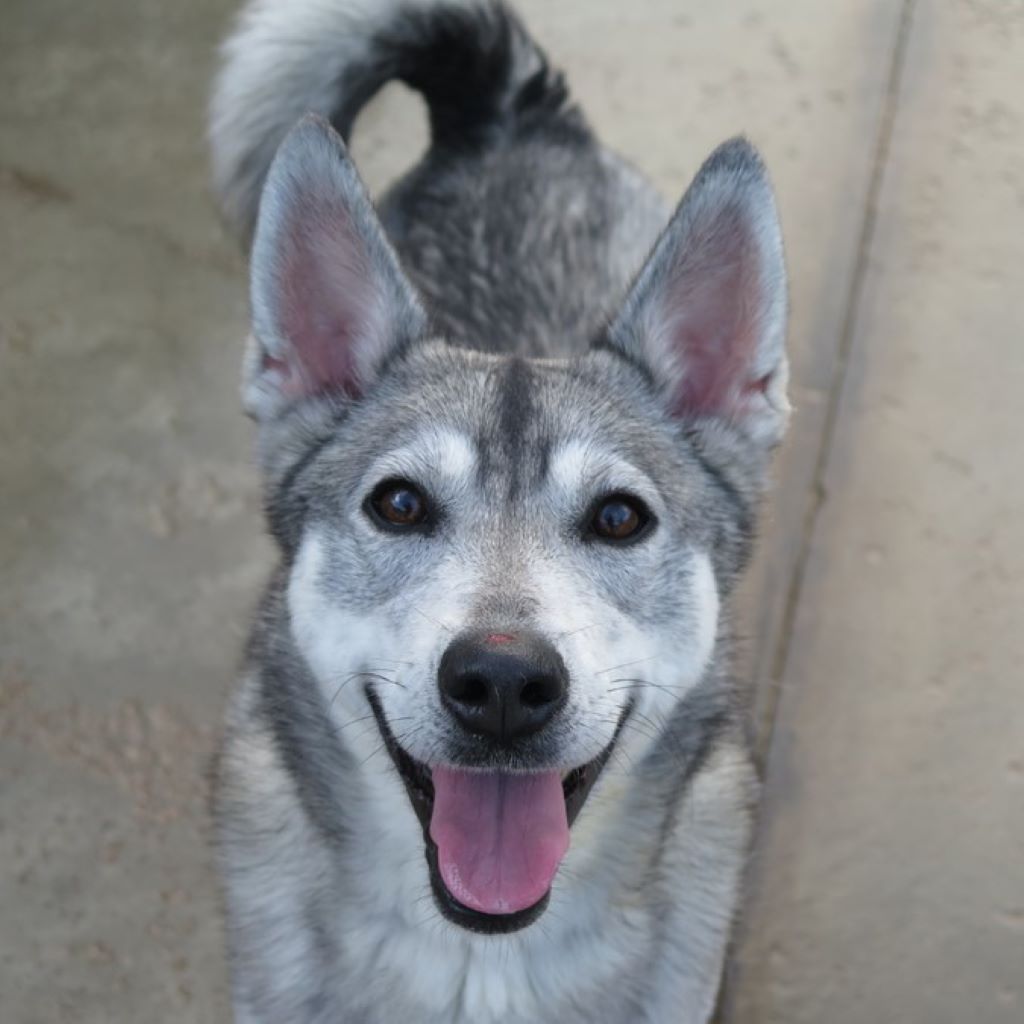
point(370, 730)
point(369, 670)
point(625, 664)
point(354, 721)
point(639, 684)
point(430, 618)
point(379, 749)
point(364, 674)
point(573, 632)
point(378, 678)
point(401, 739)
point(639, 730)
point(644, 718)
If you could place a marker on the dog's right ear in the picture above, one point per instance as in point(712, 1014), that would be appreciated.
point(330, 303)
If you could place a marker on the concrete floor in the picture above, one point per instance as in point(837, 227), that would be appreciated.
point(884, 613)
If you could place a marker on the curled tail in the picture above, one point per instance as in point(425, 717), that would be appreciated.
point(473, 61)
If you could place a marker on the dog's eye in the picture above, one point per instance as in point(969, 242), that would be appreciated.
point(620, 517)
point(398, 504)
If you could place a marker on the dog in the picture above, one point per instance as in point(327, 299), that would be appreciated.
point(488, 758)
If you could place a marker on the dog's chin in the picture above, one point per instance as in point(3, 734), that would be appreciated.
point(419, 785)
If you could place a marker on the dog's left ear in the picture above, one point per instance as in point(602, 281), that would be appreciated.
point(706, 317)
point(330, 302)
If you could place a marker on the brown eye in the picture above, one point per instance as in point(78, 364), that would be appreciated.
point(619, 517)
point(398, 504)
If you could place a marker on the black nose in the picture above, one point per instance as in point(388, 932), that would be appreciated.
point(502, 685)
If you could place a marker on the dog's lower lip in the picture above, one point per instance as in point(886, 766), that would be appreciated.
point(416, 776)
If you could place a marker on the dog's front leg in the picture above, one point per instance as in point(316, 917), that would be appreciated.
point(702, 872)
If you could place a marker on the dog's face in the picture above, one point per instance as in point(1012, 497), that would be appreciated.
point(503, 572)
point(580, 536)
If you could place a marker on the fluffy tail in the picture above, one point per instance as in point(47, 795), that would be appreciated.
point(472, 60)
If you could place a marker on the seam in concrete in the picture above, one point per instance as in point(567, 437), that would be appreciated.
point(766, 724)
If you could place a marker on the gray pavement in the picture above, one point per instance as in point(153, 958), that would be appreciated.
point(883, 614)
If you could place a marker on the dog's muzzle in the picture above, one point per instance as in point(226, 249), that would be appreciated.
point(496, 830)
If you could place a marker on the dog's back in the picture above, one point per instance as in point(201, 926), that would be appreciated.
point(519, 228)
point(503, 454)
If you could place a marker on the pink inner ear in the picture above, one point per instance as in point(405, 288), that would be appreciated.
point(713, 327)
point(326, 298)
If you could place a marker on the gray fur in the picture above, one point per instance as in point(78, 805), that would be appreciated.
point(495, 349)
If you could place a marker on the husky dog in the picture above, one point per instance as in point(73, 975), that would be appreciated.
point(487, 762)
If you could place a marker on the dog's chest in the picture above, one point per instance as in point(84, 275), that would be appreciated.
point(431, 975)
point(584, 951)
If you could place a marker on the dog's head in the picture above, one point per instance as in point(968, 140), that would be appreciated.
point(500, 570)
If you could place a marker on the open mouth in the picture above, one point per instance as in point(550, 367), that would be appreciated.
point(493, 840)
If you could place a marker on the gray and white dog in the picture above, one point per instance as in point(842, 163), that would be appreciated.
point(487, 762)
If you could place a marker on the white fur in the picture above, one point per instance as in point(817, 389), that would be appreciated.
point(643, 893)
point(389, 923)
point(446, 455)
point(600, 646)
point(593, 639)
point(282, 61)
point(592, 636)
point(452, 977)
point(580, 465)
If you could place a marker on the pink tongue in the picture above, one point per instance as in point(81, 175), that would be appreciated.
point(500, 837)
